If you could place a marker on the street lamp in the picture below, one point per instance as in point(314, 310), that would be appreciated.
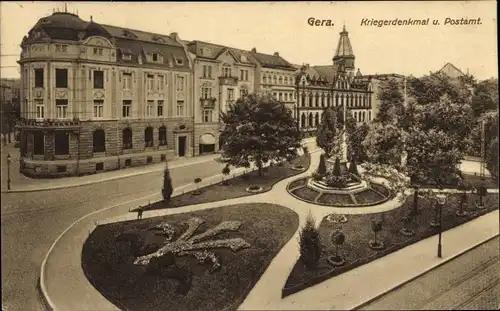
point(441, 200)
point(8, 171)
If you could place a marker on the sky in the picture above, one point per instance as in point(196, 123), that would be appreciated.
point(283, 27)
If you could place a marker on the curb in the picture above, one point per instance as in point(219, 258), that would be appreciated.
point(462, 252)
point(91, 182)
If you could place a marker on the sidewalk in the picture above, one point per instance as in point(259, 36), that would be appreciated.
point(24, 184)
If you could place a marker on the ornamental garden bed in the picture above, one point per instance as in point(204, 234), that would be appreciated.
point(236, 187)
point(242, 238)
point(358, 233)
point(367, 196)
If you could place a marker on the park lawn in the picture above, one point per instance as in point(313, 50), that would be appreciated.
point(237, 185)
point(358, 233)
point(109, 266)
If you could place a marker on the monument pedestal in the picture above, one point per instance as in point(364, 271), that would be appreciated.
point(330, 164)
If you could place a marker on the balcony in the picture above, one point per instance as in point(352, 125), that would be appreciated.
point(44, 124)
point(208, 103)
point(233, 81)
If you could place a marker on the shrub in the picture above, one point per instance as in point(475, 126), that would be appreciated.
point(197, 181)
point(353, 168)
point(254, 187)
point(167, 189)
point(376, 227)
point(317, 176)
point(225, 171)
point(338, 238)
point(337, 181)
point(322, 165)
point(336, 167)
point(310, 243)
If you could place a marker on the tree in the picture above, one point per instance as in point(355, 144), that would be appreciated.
point(463, 186)
point(310, 243)
point(328, 130)
point(430, 88)
point(384, 144)
point(167, 189)
point(356, 150)
point(258, 127)
point(322, 165)
point(485, 97)
point(491, 143)
point(391, 102)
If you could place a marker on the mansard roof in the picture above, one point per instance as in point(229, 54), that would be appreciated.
point(137, 43)
point(212, 51)
point(272, 61)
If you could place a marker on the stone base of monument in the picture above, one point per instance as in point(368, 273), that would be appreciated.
point(330, 163)
point(352, 187)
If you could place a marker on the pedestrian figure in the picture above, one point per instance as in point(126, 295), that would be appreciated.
point(139, 213)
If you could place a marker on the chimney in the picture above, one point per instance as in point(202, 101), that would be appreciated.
point(254, 50)
point(174, 36)
point(276, 54)
point(91, 18)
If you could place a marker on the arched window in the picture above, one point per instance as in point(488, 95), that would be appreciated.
point(148, 137)
point(369, 115)
point(328, 100)
point(310, 99)
point(364, 116)
point(303, 100)
point(369, 101)
point(364, 100)
point(303, 120)
point(281, 79)
point(286, 80)
point(355, 116)
point(316, 119)
point(317, 100)
point(322, 99)
point(127, 138)
point(310, 119)
point(162, 135)
point(99, 141)
point(274, 80)
point(356, 101)
point(342, 100)
point(336, 100)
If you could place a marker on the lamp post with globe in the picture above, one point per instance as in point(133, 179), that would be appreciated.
point(441, 200)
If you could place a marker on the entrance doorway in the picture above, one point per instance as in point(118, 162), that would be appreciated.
point(182, 146)
point(207, 143)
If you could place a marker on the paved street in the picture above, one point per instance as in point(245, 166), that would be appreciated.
point(469, 282)
point(32, 221)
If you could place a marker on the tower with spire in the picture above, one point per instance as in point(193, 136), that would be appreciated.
point(344, 56)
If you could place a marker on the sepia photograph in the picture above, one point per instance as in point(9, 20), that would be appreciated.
point(266, 155)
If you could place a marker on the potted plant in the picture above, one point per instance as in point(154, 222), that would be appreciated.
point(338, 239)
point(376, 227)
point(197, 181)
point(225, 172)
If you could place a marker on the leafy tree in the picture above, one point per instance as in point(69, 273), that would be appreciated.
point(258, 127)
point(485, 97)
point(430, 88)
point(356, 150)
point(384, 144)
point(328, 130)
point(225, 172)
point(391, 102)
point(322, 165)
point(167, 189)
point(311, 247)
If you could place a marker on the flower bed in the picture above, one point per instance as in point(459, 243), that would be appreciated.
point(368, 196)
point(336, 199)
point(235, 244)
point(236, 187)
point(380, 189)
point(297, 183)
point(307, 194)
point(358, 233)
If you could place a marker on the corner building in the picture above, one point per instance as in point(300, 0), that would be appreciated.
point(319, 87)
point(97, 98)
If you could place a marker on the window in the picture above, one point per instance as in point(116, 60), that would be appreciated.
point(310, 100)
point(280, 96)
point(127, 81)
point(98, 51)
point(243, 93)
point(230, 94)
point(148, 137)
point(274, 80)
point(159, 108)
point(205, 71)
point(61, 48)
point(285, 96)
point(61, 78)
point(98, 108)
point(127, 56)
point(303, 100)
point(180, 84)
point(149, 108)
point(246, 75)
point(99, 166)
point(61, 108)
point(61, 140)
point(264, 79)
point(39, 108)
point(281, 80)
point(162, 136)
point(180, 108)
point(39, 77)
point(369, 115)
point(150, 81)
point(161, 83)
point(207, 116)
point(155, 57)
point(38, 143)
point(99, 141)
point(302, 120)
point(126, 108)
point(206, 92)
point(127, 138)
point(98, 79)
point(226, 72)
point(179, 62)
